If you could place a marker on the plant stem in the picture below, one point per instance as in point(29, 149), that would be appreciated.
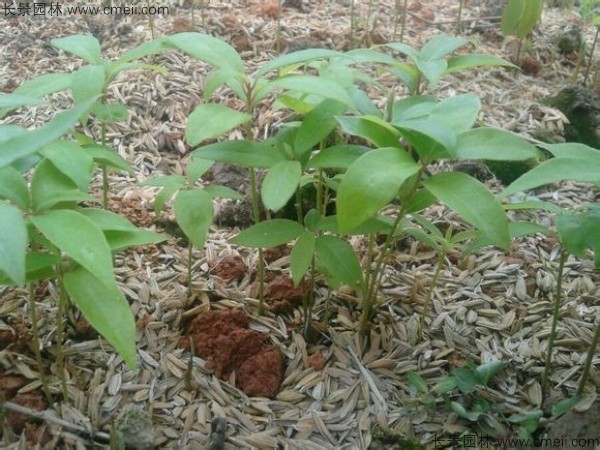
point(189, 269)
point(588, 360)
point(403, 25)
point(36, 342)
point(104, 168)
point(459, 18)
point(589, 64)
point(308, 299)
point(557, 300)
point(427, 304)
point(60, 333)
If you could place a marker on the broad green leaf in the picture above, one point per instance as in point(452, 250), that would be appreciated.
point(418, 201)
point(432, 70)
point(579, 232)
point(88, 82)
point(85, 46)
point(243, 153)
point(471, 60)
point(120, 240)
point(563, 406)
point(13, 243)
point(361, 56)
point(317, 125)
point(80, 238)
point(572, 150)
point(417, 381)
point(308, 84)
point(379, 224)
point(196, 168)
point(370, 184)
point(515, 230)
point(474, 202)
point(446, 385)
point(363, 103)
point(164, 196)
point(413, 107)
point(301, 256)
point(107, 220)
point(486, 371)
point(110, 113)
point(301, 56)
point(71, 160)
point(24, 144)
point(106, 309)
point(554, 170)
point(534, 204)
point(270, 233)
point(220, 77)
point(337, 157)
point(14, 188)
point(40, 266)
point(280, 184)
point(211, 120)
point(408, 74)
point(440, 46)
point(404, 48)
point(105, 155)
point(49, 186)
point(467, 379)
point(217, 191)
point(339, 261)
point(194, 214)
point(165, 181)
point(45, 84)
point(145, 49)
point(493, 144)
point(371, 128)
point(209, 49)
point(461, 412)
point(8, 102)
point(520, 17)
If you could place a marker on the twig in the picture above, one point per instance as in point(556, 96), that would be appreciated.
point(48, 417)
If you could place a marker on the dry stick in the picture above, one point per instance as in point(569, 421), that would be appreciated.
point(589, 64)
point(588, 361)
point(548, 365)
point(459, 18)
point(47, 417)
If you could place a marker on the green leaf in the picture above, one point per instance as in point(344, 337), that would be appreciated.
point(370, 184)
point(554, 170)
point(85, 46)
point(196, 168)
point(209, 49)
point(243, 153)
point(520, 17)
point(145, 49)
point(110, 113)
point(301, 256)
point(337, 157)
point(164, 196)
point(317, 125)
point(270, 233)
point(308, 84)
point(515, 230)
point(371, 128)
point(301, 56)
point(120, 240)
point(563, 406)
point(8, 102)
point(572, 150)
point(408, 74)
point(13, 243)
point(379, 224)
point(216, 191)
point(194, 214)
point(417, 381)
point(446, 385)
point(280, 184)
point(79, 237)
point(14, 188)
point(461, 412)
point(88, 82)
point(24, 144)
point(212, 120)
point(107, 220)
point(219, 77)
point(71, 160)
point(404, 48)
point(493, 144)
point(338, 260)
point(49, 186)
point(40, 266)
point(432, 70)
point(106, 309)
point(440, 46)
point(166, 181)
point(486, 371)
point(105, 155)
point(466, 380)
point(45, 84)
point(579, 232)
point(474, 202)
point(471, 60)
